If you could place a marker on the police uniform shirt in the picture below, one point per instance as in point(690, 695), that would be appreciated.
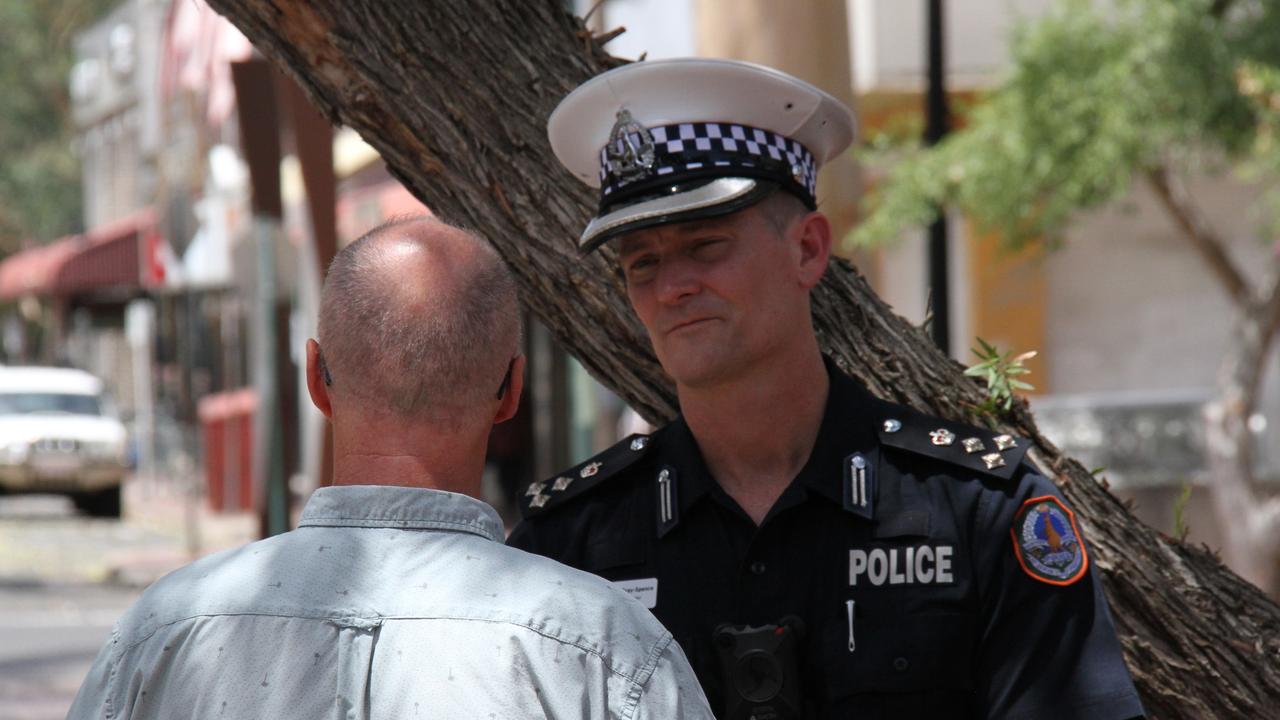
point(908, 546)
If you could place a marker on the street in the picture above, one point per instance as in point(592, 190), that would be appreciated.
point(65, 578)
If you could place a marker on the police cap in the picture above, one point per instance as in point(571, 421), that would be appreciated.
point(675, 140)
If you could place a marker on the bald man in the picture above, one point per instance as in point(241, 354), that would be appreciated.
point(395, 597)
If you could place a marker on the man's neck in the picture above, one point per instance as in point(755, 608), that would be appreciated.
point(757, 432)
point(373, 452)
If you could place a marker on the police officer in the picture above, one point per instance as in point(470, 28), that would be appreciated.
point(818, 552)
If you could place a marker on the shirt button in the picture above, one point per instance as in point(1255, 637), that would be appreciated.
point(901, 664)
point(757, 568)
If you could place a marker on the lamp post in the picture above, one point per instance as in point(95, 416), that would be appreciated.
point(936, 126)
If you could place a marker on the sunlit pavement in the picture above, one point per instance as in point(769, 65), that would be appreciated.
point(64, 579)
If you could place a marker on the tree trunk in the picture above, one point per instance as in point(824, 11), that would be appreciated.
point(1251, 525)
point(454, 94)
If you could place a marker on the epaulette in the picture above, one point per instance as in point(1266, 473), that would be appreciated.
point(544, 495)
point(983, 451)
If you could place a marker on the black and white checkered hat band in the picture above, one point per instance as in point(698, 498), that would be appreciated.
point(686, 150)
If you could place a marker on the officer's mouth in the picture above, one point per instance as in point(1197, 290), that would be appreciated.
point(689, 325)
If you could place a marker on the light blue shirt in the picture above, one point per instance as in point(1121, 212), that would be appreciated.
point(387, 602)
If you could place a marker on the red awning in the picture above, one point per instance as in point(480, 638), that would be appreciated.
point(106, 256)
point(28, 272)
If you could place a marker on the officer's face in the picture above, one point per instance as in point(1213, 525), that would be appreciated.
point(716, 296)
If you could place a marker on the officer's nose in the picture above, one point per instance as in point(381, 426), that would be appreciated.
point(677, 279)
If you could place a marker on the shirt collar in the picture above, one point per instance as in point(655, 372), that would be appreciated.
point(386, 506)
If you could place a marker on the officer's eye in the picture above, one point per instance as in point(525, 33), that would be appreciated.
point(639, 269)
point(710, 248)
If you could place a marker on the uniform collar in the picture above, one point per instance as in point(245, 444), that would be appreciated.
point(849, 424)
point(385, 506)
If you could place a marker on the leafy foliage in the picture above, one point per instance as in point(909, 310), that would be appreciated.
point(1097, 96)
point(1000, 371)
point(39, 174)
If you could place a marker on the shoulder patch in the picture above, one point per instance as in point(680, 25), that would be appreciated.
point(983, 451)
point(579, 479)
point(1047, 541)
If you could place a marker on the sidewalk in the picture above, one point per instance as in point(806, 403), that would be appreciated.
point(185, 527)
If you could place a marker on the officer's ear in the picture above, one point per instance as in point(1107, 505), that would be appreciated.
point(513, 385)
point(813, 238)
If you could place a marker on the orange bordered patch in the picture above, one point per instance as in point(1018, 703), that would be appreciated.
point(1047, 541)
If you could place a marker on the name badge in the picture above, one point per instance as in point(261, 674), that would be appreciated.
point(645, 590)
point(911, 565)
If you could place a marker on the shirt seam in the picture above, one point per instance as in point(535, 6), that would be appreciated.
point(645, 674)
point(632, 678)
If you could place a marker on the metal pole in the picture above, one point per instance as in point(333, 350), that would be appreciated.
point(936, 127)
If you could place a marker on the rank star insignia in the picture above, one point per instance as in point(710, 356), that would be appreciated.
point(993, 460)
point(942, 436)
point(590, 470)
point(1004, 442)
point(562, 483)
point(972, 445)
point(538, 500)
point(535, 489)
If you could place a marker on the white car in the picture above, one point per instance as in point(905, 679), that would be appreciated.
point(55, 437)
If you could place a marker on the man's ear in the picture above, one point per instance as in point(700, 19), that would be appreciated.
point(510, 402)
point(814, 240)
point(316, 385)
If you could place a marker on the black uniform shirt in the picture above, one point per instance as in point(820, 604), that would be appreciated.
point(926, 581)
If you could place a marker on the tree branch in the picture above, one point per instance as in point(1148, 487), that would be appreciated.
point(1177, 201)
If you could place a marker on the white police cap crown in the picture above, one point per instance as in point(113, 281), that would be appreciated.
point(673, 140)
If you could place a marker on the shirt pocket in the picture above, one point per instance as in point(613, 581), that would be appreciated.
point(902, 665)
point(603, 556)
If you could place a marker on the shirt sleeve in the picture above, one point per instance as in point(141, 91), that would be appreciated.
point(672, 690)
point(92, 701)
point(1048, 647)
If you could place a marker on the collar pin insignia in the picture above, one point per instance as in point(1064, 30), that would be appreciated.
point(590, 469)
point(942, 436)
point(993, 460)
point(562, 483)
point(639, 443)
point(972, 445)
point(1005, 442)
point(538, 500)
point(535, 489)
point(892, 426)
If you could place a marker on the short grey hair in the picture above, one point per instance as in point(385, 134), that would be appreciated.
point(417, 350)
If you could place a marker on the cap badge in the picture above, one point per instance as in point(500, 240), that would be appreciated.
point(942, 436)
point(590, 469)
point(630, 152)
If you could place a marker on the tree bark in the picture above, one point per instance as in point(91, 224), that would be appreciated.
point(454, 94)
